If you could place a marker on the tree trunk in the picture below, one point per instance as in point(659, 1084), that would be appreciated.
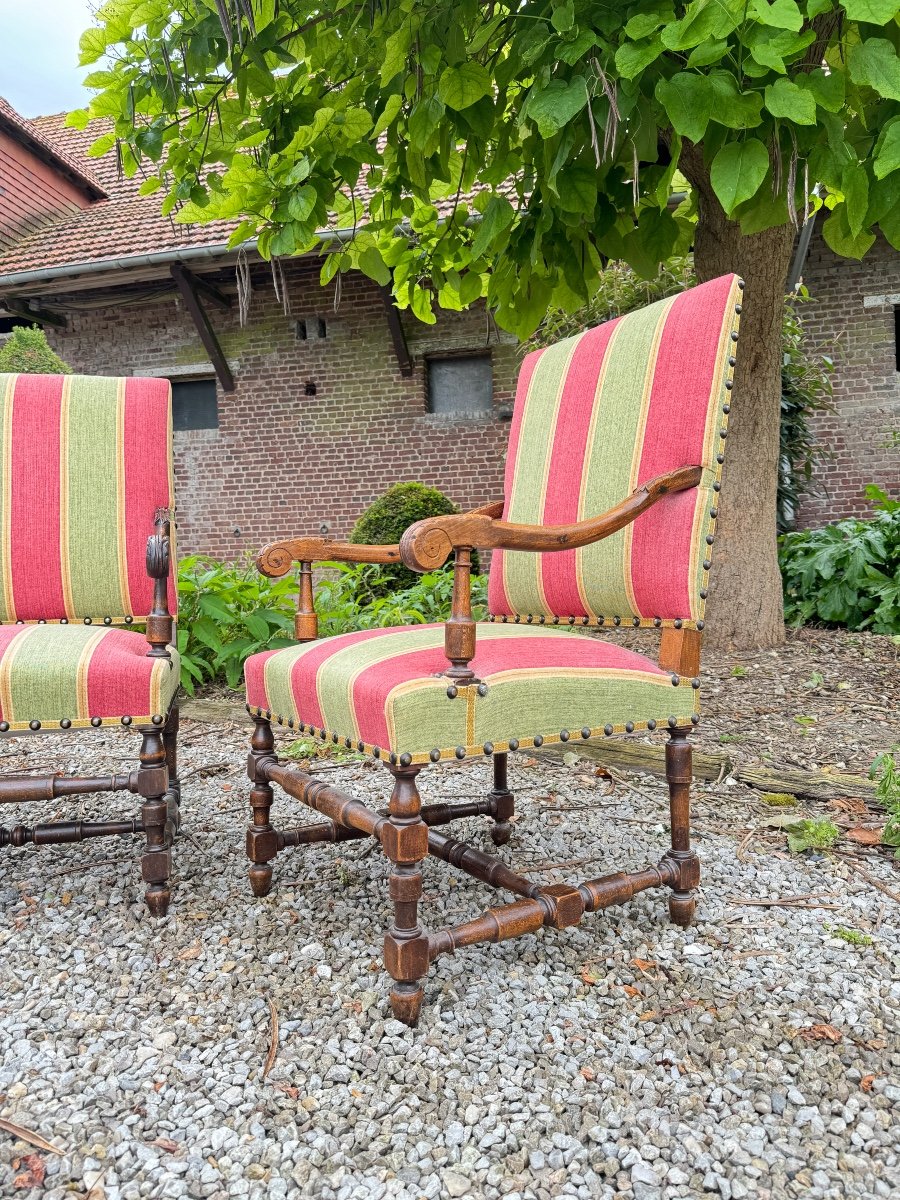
point(745, 605)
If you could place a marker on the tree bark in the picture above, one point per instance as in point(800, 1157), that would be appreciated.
point(745, 607)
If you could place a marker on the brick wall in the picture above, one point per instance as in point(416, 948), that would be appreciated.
point(861, 339)
point(282, 462)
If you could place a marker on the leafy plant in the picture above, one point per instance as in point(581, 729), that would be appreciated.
point(853, 937)
point(847, 573)
point(352, 599)
point(886, 771)
point(386, 520)
point(806, 388)
point(812, 835)
point(27, 352)
point(225, 614)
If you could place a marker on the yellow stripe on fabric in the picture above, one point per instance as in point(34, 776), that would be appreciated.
point(81, 680)
point(121, 539)
point(522, 571)
point(64, 559)
point(45, 681)
point(6, 666)
point(91, 456)
point(8, 596)
point(609, 460)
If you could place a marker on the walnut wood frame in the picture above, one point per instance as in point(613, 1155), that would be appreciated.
point(155, 780)
point(406, 831)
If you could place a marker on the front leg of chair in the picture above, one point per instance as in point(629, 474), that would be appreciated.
point(404, 838)
point(156, 863)
point(501, 796)
point(686, 863)
point(262, 840)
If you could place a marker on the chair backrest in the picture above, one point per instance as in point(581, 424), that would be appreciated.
point(596, 416)
point(85, 463)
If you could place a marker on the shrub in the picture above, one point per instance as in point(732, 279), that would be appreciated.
point(386, 520)
point(26, 352)
point(847, 573)
point(228, 612)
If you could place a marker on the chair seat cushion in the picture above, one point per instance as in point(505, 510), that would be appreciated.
point(382, 691)
point(78, 675)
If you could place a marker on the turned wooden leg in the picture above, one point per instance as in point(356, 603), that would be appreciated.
point(156, 862)
point(405, 842)
point(170, 740)
point(678, 776)
point(501, 830)
point(262, 844)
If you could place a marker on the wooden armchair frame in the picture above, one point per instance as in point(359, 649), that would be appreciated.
point(406, 830)
point(155, 781)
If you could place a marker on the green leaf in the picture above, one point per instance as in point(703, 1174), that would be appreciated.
point(651, 243)
point(557, 104)
point(838, 235)
point(703, 19)
point(563, 17)
point(464, 85)
point(707, 53)
point(876, 12)
point(497, 217)
point(686, 98)
point(302, 202)
point(424, 122)
point(855, 186)
point(737, 172)
point(731, 107)
point(92, 45)
point(887, 156)
point(874, 62)
point(577, 188)
point(420, 303)
point(786, 99)
point(642, 24)
point(372, 264)
point(782, 14)
point(632, 57)
point(827, 90)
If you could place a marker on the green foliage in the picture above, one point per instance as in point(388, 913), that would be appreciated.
point(778, 799)
point(26, 352)
point(885, 770)
point(386, 520)
point(847, 573)
point(228, 612)
point(853, 937)
point(548, 131)
point(812, 835)
point(806, 388)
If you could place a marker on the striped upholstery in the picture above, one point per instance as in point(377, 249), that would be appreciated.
point(377, 689)
point(73, 673)
point(596, 416)
point(85, 463)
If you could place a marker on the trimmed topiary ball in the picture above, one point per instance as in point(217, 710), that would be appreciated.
point(26, 352)
point(386, 520)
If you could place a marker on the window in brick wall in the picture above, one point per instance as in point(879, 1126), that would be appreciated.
point(194, 404)
point(461, 386)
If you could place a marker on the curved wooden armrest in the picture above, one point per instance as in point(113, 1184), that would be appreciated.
point(428, 544)
point(159, 627)
point(277, 558)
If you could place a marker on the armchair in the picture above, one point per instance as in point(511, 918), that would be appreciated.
point(611, 497)
point(86, 500)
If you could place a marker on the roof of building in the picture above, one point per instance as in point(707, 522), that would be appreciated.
point(122, 225)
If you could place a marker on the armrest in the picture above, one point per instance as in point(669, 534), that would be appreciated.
point(277, 558)
point(429, 543)
point(159, 620)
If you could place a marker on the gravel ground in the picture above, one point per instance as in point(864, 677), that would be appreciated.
point(756, 1054)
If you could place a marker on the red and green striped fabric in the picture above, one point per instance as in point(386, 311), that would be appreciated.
point(86, 461)
point(377, 690)
point(76, 675)
point(596, 416)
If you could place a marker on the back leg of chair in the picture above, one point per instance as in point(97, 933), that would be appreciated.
point(262, 840)
point(156, 863)
point(170, 740)
point(678, 775)
point(501, 830)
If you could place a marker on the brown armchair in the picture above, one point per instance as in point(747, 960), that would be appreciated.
point(628, 421)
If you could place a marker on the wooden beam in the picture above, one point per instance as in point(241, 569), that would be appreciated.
point(208, 290)
point(186, 284)
point(40, 316)
point(395, 328)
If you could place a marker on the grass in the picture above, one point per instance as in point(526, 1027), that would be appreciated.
point(853, 937)
point(812, 835)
